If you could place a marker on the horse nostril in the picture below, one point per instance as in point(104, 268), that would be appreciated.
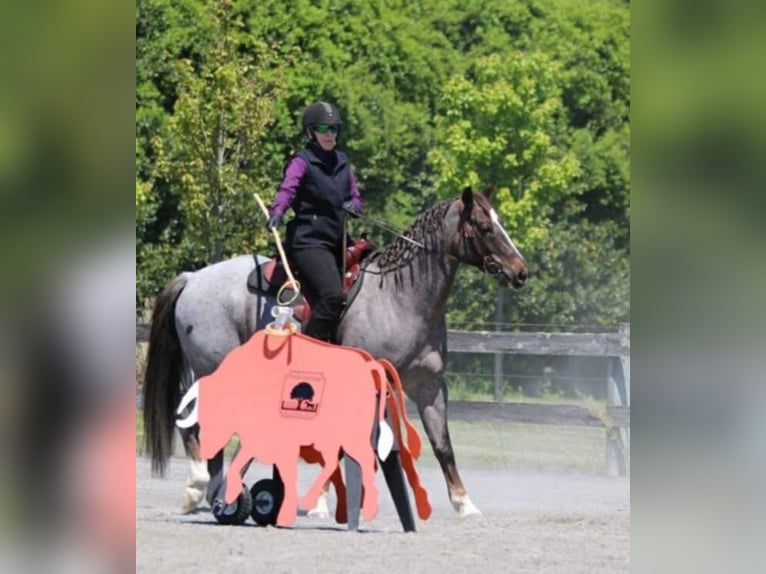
point(523, 275)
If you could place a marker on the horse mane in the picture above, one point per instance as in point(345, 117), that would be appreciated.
point(421, 230)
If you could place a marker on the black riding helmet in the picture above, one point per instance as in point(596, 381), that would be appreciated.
point(320, 113)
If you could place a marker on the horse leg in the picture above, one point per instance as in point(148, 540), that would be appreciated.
point(433, 411)
point(234, 475)
point(198, 478)
point(215, 472)
point(317, 493)
point(321, 509)
point(341, 512)
point(287, 465)
point(205, 476)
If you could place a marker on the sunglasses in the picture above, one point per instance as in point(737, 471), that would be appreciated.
point(324, 128)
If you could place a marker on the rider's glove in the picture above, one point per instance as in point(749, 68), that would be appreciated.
point(274, 221)
point(352, 208)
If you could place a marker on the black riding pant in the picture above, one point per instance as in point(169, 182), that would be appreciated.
point(319, 271)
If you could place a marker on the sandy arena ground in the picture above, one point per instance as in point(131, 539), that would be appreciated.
point(531, 523)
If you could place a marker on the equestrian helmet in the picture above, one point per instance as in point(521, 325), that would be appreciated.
point(321, 113)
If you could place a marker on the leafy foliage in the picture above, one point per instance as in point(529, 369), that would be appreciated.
point(532, 95)
point(501, 123)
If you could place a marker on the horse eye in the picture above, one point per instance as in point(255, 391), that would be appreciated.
point(484, 226)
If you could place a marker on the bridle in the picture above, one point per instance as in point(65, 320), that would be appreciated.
point(490, 266)
point(487, 262)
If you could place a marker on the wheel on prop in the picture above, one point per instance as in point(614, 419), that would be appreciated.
point(267, 496)
point(234, 513)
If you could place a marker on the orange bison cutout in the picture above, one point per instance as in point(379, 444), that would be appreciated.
point(285, 394)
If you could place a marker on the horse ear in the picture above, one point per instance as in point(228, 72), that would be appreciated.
point(489, 191)
point(468, 198)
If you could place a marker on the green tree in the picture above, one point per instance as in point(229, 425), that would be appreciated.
point(220, 118)
point(501, 123)
point(383, 67)
point(533, 95)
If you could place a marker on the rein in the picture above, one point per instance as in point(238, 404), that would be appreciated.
point(485, 263)
point(391, 230)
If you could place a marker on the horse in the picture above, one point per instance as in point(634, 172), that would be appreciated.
point(398, 314)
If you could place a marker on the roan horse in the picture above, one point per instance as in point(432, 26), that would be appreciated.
point(398, 314)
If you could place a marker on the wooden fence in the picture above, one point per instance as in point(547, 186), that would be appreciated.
point(615, 419)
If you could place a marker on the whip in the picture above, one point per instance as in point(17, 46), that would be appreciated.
point(290, 279)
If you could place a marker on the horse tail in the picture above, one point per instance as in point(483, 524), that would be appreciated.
point(162, 379)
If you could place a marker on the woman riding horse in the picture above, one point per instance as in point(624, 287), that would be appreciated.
point(320, 187)
point(398, 315)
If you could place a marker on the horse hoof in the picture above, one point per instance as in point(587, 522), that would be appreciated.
point(191, 499)
point(465, 507)
point(321, 510)
point(469, 510)
point(318, 513)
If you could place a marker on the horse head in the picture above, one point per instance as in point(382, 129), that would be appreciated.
point(483, 243)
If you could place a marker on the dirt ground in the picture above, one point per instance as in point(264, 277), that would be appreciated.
point(531, 523)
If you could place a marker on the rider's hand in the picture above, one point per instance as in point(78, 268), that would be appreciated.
point(352, 208)
point(274, 221)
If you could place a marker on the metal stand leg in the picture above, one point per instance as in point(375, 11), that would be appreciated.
point(392, 471)
point(215, 488)
point(353, 492)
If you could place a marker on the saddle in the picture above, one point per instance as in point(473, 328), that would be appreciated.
point(268, 277)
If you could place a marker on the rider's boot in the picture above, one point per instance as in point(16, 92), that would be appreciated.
point(323, 330)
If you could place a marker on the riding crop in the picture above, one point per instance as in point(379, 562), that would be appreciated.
point(290, 279)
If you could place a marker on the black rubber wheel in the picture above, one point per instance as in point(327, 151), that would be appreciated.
point(235, 513)
point(267, 496)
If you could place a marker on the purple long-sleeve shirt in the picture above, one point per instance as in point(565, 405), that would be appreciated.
point(292, 179)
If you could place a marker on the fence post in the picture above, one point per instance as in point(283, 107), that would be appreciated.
point(618, 394)
point(625, 362)
point(499, 356)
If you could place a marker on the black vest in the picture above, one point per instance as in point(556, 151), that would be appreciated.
point(319, 216)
